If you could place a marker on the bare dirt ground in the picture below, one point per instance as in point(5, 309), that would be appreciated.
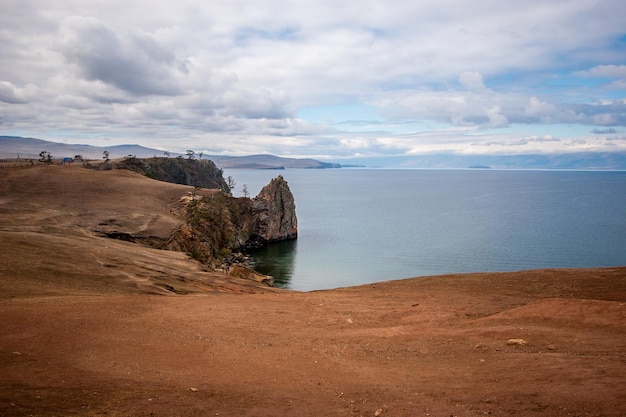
point(92, 326)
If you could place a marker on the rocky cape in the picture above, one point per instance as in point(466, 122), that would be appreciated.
point(218, 225)
point(208, 224)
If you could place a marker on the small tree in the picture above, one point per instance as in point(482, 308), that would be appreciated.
point(244, 190)
point(167, 154)
point(45, 157)
point(190, 154)
point(230, 183)
point(105, 157)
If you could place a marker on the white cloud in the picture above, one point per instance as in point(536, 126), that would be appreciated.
point(257, 103)
point(11, 94)
point(609, 71)
point(496, 118)
point(235, 71)
point(136, 64)
point(472, 81)
point(540, 110)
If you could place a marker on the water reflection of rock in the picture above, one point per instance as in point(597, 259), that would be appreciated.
point(276, 259)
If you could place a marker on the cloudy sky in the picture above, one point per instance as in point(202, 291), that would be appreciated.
point(327, 79)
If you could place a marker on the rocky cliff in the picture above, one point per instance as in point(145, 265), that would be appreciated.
point(194, 172)
point(274, 213)
point(216, 225)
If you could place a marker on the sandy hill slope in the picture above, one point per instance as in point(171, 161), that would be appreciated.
point(96, 326)
point(54, 219)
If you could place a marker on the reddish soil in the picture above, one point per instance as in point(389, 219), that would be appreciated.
point(93, 326)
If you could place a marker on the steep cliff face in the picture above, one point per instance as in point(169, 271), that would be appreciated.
point(194, 172)
point(218, 224)
point(274, 213)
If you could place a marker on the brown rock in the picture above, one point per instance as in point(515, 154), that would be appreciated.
point(241, 271)
point(274, 211)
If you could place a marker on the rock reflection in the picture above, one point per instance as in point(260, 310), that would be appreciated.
point(276, 259)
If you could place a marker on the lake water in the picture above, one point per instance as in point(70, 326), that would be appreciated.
point(359, 226)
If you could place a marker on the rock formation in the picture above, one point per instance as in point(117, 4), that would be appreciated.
point(274, 213)
point(194, 172)
point(217, 225)
point(243, 272)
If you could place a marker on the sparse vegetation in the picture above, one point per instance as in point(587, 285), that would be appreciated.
point(230, 183)
point(217, 225)
point(193, 172)
point(105, 157)
point(131, 162)
point(45, 157)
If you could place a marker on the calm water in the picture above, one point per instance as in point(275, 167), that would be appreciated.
point(359, 226)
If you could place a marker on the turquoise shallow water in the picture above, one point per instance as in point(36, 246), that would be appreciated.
point(359, 226)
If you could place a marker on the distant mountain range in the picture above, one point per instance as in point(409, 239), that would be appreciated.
point(29, 148)
point(267, 162)
point(18, 147)
point(14, 147)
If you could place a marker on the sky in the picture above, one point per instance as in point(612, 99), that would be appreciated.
point(324, 79)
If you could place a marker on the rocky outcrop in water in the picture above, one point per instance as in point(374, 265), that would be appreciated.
point(274, 213)
point(218, 225)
